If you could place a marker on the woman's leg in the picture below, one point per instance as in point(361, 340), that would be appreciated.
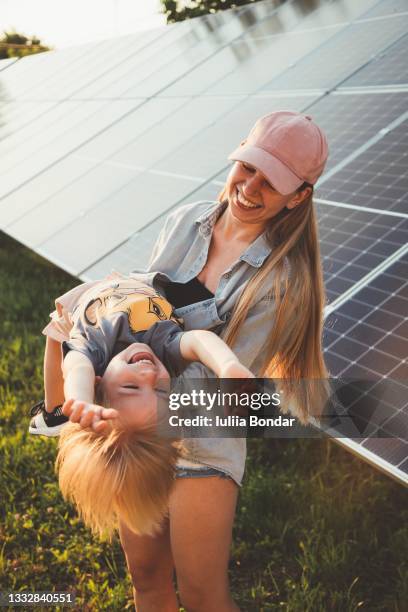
point(201, 517)
point(53, 379)
point(151, 567)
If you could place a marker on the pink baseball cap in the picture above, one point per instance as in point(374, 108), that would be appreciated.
point(287, 147)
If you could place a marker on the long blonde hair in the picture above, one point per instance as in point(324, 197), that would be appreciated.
point(126, 475)
point(293, 351)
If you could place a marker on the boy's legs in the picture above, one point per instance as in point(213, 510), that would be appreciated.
point(53, 379)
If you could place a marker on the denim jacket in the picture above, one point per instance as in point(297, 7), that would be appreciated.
point(180, 254)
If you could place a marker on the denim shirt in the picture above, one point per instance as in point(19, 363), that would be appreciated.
point(180, 254)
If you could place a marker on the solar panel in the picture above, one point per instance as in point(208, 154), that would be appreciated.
point(206, 153)
point(196, 59)
point(97, 234)
point(377, 178)
point(165, 55)
point(34, 71)
point(64, 122)
point(249, 74)
point(19, 115)
point(340, 56)
point(388, 67)
point(355, 242)
point(366, 339)
point(242, 35)
point(89, 119)
point(5, 63)
point(387, 7)
point(129, 128)
point(74, 202)
point(192, 117)
point(351, 121)
point(135, 252)
point(100, 142)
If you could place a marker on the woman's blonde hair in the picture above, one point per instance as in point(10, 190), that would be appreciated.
point(126, 475)
point(293, 351)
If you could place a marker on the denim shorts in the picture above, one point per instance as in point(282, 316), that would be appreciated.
point(199, 472)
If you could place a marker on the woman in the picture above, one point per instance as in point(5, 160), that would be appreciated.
point(247, 267)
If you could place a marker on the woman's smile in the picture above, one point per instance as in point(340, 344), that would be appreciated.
point(245, 204)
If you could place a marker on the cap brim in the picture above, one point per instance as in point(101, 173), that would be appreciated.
point(280, 176)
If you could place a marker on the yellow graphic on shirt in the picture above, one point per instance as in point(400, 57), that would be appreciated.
point(143, 305)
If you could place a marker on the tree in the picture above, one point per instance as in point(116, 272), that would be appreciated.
point(13, 44)
point(179, 10)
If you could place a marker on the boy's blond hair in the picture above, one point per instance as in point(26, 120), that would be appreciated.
point(124, 475)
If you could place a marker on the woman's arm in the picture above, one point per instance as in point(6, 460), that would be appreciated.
point(211, 351)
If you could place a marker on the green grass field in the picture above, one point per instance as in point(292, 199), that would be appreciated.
point(316, 529)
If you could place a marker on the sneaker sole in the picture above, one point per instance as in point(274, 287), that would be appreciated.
point(50, 432)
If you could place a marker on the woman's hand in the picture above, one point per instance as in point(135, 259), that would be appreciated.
point(235, 369)
point(90, 415)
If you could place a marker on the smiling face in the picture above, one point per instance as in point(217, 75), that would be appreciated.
point(253, 200)
point(134, 381)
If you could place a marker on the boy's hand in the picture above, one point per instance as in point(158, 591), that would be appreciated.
point(235, 369)
point(90, 415)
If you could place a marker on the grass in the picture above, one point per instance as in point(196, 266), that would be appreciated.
point(316, 529)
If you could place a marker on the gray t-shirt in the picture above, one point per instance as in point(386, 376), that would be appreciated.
point(114, 314)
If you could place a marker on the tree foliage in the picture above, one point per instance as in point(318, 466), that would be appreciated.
point(13, 44)
point(179, 10)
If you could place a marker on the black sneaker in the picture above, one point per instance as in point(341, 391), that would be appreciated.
point(46, 423)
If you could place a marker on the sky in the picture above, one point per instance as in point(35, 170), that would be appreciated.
point(61, 23)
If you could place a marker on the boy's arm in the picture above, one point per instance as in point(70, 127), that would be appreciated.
point(79, 377)
point(79, 388)
point(207, 347)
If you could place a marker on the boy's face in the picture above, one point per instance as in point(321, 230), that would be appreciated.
point(134, 381)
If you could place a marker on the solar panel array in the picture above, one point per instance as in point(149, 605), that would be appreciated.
point(99, 142)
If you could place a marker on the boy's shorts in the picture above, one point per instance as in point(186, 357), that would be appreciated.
point(61, 320)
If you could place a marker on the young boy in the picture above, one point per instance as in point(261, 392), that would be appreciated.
point(112, 462)
point(115, 334)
